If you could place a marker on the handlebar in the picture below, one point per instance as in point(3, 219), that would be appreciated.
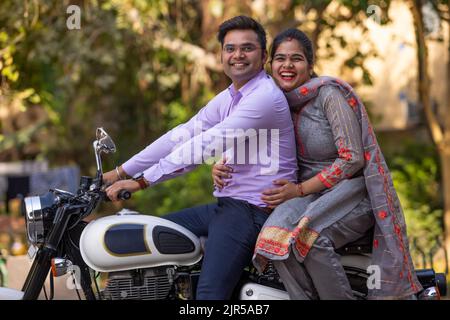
point(122, 195)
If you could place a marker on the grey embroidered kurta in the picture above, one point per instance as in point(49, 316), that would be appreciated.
point(327, 142)
point(335, 142)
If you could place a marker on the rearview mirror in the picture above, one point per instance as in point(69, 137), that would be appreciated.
point(104, 142)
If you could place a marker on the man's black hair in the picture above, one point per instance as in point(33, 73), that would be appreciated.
point(242, 23)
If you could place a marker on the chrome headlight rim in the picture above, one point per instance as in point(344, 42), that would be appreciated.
point(34, 219)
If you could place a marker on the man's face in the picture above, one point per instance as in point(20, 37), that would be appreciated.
point(242, 56)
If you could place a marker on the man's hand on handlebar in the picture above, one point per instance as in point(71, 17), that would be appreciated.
point(113, 190)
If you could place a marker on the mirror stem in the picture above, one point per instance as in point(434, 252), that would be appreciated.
point(98, 159)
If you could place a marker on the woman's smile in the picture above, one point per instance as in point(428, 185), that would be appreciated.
point(290, 68)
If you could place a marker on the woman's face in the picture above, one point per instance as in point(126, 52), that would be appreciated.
point(290, 69)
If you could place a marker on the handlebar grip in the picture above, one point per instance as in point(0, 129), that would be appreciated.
point(124, 195)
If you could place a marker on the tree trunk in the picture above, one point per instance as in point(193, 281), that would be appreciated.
point(423, 78)
point(318, 25)
point(445, 156)
point(440, 137)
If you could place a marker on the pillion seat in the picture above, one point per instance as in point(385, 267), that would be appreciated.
point(362, 245)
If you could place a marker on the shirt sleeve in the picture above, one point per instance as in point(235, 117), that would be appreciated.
point(206, 118)
point(347, 136)
point(253, 112)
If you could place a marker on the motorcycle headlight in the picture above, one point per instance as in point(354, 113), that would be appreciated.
point(37, 211)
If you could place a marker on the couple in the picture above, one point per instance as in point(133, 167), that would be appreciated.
point(331, 184)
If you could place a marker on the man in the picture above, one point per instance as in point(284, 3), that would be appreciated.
point(246, 111)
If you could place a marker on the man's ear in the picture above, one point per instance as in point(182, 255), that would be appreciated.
point(264, 57)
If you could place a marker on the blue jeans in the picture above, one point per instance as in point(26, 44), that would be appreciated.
point(232, 227)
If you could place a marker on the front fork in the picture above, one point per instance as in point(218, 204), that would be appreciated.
point(42, 262)
point(38, 273)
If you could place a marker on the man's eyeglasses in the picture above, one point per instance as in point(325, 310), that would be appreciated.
point(246, 48)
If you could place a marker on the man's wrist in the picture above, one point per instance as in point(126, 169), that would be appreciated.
point(143, 183)
point(119, 176)
point(121, 173)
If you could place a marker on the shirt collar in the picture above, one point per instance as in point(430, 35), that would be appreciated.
point(248, 87)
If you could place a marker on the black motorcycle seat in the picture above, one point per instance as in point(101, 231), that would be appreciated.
point(359, 246)
point(362, 245)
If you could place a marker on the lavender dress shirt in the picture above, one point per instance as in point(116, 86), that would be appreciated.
point(250, 127)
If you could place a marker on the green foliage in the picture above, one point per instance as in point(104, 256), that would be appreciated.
point(416, 177)
point(193, 189)
point(113, 72)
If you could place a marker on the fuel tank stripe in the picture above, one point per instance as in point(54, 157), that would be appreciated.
point(126, 239)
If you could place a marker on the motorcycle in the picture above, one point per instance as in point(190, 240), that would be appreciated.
point(147, 257)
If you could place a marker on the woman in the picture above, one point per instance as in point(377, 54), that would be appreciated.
point(344, 188)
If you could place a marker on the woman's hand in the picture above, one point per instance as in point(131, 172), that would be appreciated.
point(113, 190)
point(219, 171)
point(110, 177)
point(286, 190)
point(114, 175)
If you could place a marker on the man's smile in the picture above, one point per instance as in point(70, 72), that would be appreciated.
point(239, 65)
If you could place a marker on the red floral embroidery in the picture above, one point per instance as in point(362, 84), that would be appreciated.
point(304, 91)
point(352, 102)
point(382, 214)
point(344, 152)
point(337, 172)
point(323, 179)
point(397, 229)
point(375, 243)
point(367, 155)
point(330, 176)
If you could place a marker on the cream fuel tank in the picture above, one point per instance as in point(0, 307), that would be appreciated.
point(129, 240)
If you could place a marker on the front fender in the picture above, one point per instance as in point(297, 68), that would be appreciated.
point(10, 294)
